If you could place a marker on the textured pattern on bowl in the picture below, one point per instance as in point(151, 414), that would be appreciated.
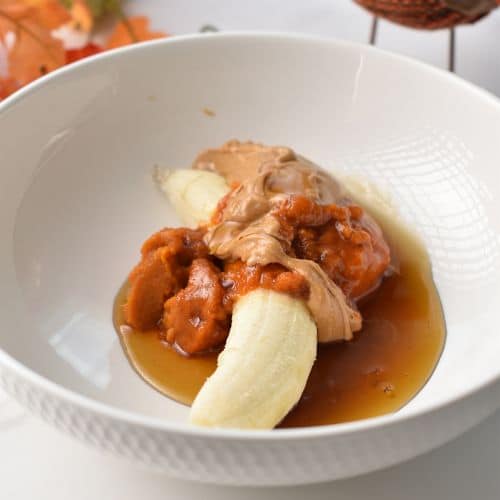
point(76, 200)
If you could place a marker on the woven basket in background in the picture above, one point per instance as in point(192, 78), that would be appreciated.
point(430, 14)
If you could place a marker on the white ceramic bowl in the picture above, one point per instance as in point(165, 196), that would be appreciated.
point(76, 200)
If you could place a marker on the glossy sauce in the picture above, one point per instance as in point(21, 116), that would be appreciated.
point(378, 372)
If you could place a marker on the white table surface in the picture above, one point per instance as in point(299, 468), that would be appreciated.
point(38, 462)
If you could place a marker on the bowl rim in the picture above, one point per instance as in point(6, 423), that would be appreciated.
point(135, 418)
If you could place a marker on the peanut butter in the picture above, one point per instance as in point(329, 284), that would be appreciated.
point(248, 228)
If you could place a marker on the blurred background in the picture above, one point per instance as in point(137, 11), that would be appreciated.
point(72, 29)
point(476, 45)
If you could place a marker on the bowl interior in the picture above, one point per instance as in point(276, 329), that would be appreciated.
point(76, 196)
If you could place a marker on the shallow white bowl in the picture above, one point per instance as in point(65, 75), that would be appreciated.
point(76, 200)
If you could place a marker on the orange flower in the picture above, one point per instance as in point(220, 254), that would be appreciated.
point(8, 86)
point(49, 13)
point(30, 48)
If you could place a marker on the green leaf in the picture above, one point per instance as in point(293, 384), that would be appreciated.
point(99, 8)
point(67, 3)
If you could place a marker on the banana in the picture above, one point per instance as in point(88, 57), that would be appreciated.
point(271, 347)
point(193, 193)
point(262, 371)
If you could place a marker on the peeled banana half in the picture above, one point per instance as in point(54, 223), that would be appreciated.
point(271, 347)
point(193, 193)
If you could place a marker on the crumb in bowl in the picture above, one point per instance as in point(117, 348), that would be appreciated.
point(208, 112)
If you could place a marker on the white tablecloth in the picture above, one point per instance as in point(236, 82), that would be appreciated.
point(37, 462)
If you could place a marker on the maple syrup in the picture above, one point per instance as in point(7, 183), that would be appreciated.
point(378, 372)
